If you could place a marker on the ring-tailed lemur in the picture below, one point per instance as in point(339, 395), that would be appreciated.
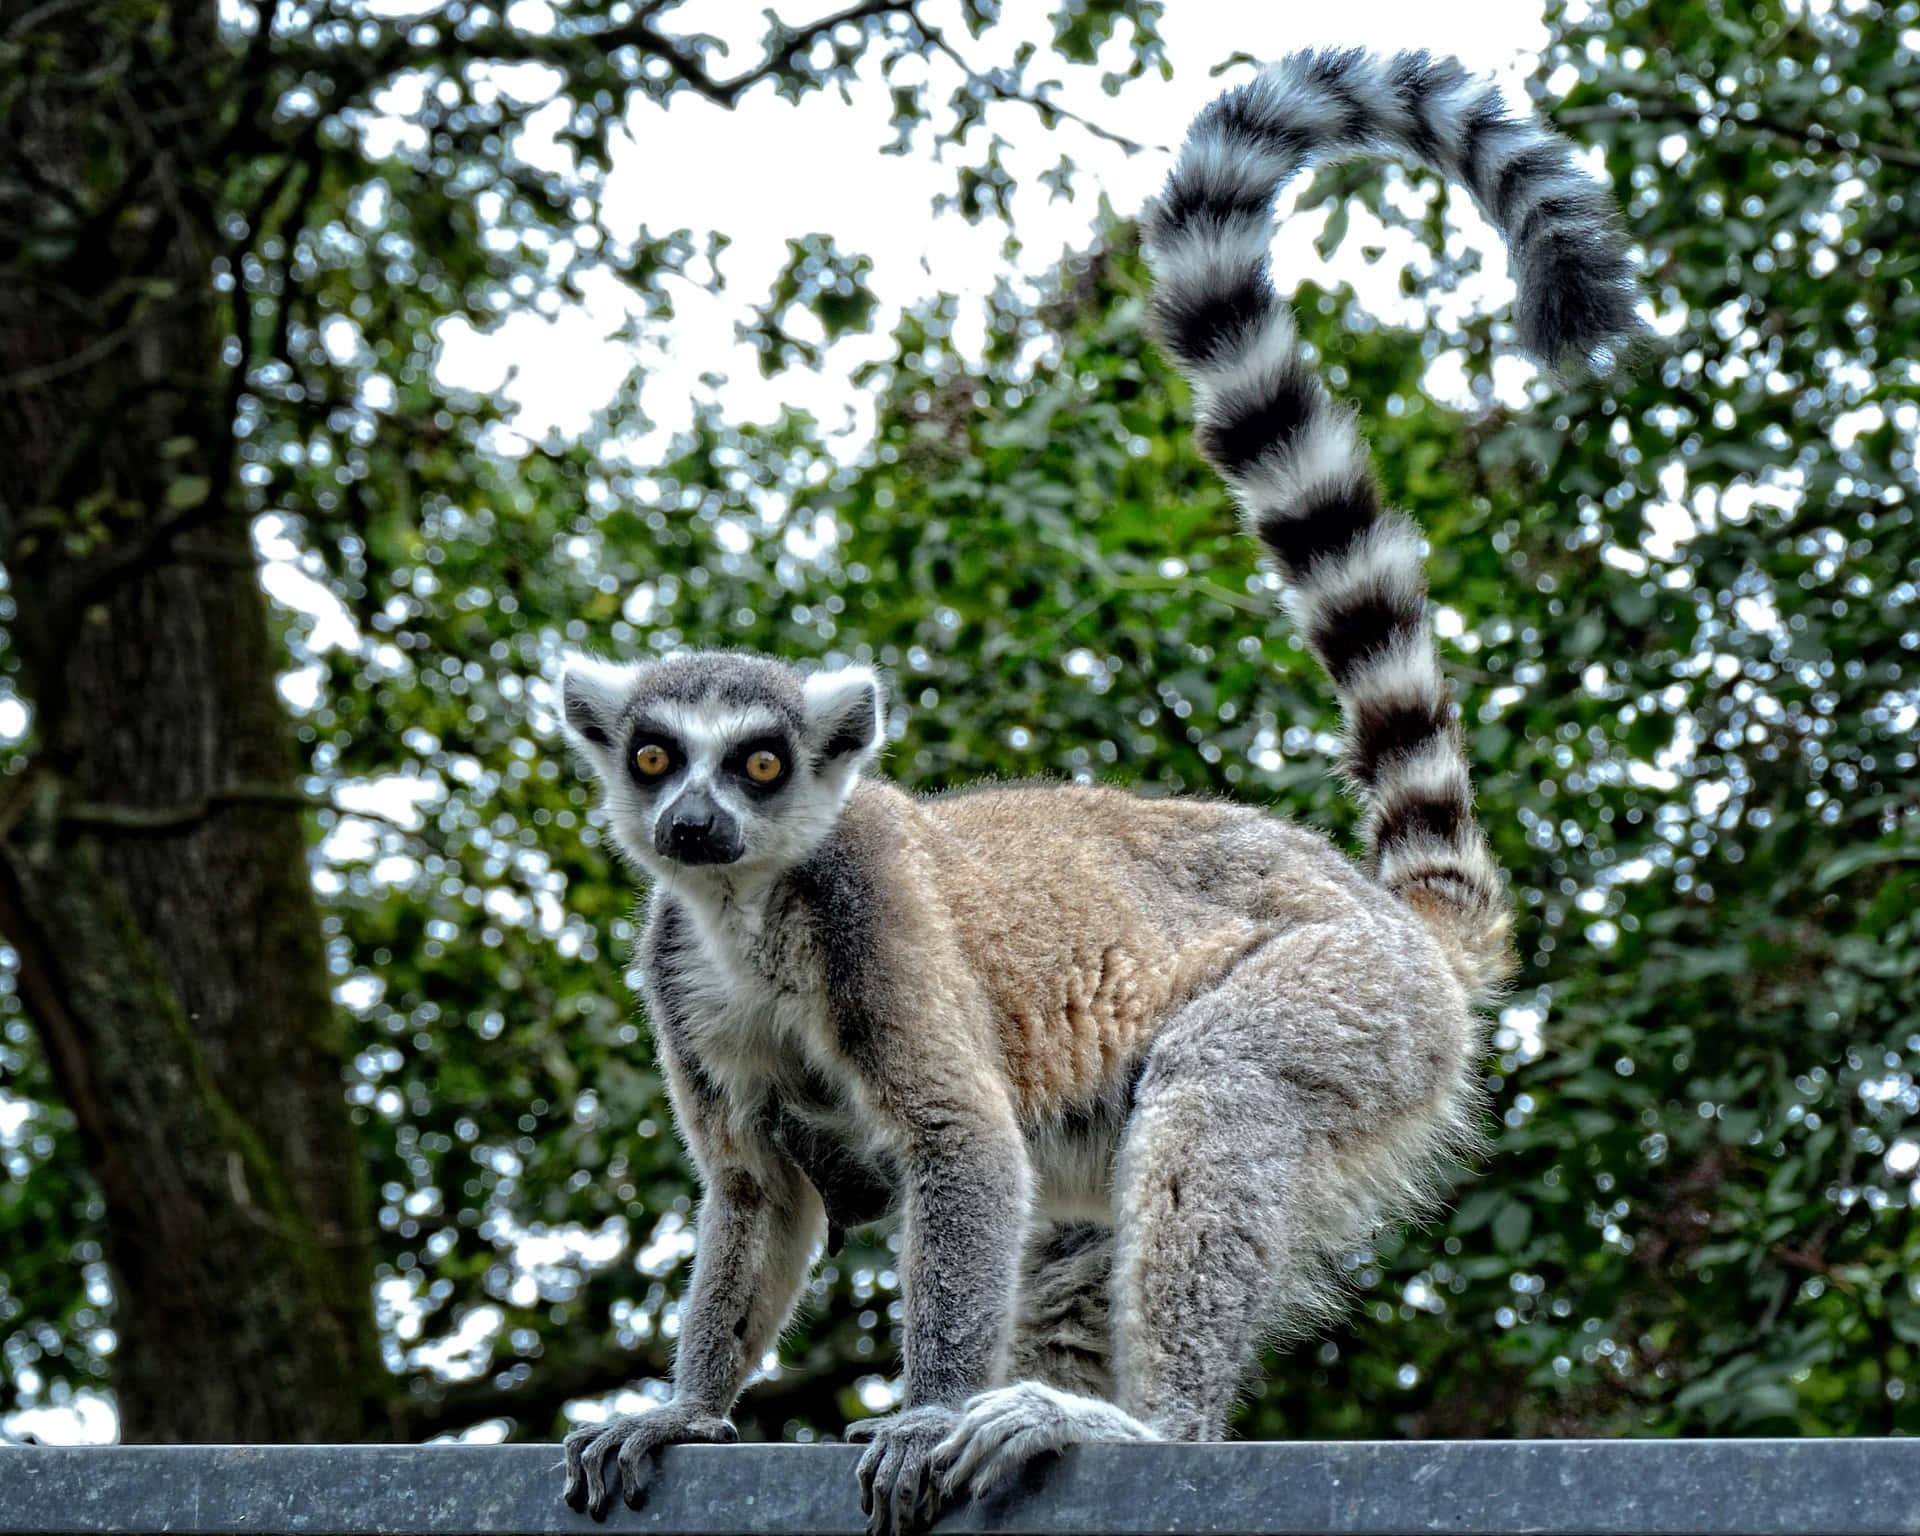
point(1133, 1071)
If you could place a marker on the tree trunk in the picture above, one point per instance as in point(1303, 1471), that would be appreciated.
point(153, 864)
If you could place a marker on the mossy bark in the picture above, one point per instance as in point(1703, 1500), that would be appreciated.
point(153, 863)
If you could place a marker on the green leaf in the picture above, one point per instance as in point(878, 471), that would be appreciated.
point(1512, 1225)
point(1865, 856)
point(185, 492)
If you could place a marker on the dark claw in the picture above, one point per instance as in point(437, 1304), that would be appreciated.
point(911, 1489)
point(897, 1492)
point(587, 1451)
point(576, 1489)
point(630, 1443)
point(869, 1463)
point(586, 1469)
point(635, 1474)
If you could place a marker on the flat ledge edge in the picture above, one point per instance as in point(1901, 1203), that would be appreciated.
point(1808, 1487)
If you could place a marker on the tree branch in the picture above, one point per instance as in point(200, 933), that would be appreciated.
point(354, 75)
point(43, 996)
point(173, 818)
point(727, 93)
point(42, 374)
point(40, 15)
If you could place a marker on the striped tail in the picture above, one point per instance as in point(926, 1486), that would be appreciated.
point(1354, 573)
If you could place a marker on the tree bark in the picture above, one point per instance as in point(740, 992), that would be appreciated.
point(153, 863)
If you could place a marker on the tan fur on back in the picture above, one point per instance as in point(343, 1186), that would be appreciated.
point(1091, 915)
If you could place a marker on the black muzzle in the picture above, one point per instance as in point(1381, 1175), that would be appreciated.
point(695, 830)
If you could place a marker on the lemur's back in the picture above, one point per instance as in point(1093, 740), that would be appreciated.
point(1092, 914)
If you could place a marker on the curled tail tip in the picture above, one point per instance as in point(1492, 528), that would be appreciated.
point(1579, 310)
point(1576, 307)
point(1463, 899)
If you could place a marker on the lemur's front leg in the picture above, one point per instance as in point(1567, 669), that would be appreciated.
point(967, 1187)
point(756, 1232)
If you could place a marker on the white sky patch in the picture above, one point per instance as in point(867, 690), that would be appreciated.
point(285, 575)
point(599, 1410)
point(360, 993)
point(1669, 522)
point(88, 1418)
point(1669, 525)
point(1757, 614)
point(769, 170)
point(1709, 796)
point(1521, 1031)
point(877, 1394)
point(302, 688)
point(393, 797)
point(1848, 425)
point(342, 339)
point(1675, 755)
point(464, 1353)
point(14, 1116)
point(350, 842)
point(670, 1243)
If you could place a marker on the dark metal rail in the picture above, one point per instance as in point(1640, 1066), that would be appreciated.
point(1472, 1488)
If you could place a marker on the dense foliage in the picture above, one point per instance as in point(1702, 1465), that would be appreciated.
point(1680, 605)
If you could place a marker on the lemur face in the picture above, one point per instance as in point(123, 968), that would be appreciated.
point(718, 761)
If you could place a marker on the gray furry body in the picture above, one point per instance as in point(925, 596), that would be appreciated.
point(1131, 1073)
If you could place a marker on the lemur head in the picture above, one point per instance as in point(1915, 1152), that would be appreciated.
point(719, 760)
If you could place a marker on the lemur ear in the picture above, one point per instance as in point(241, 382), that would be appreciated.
point(843, 712)
point(592, 695)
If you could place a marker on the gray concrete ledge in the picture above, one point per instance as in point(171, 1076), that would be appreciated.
point(1552, 1488)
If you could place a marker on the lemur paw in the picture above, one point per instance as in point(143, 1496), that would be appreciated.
point(1001, 1431)
point(897, 1494)
point(630, 1441)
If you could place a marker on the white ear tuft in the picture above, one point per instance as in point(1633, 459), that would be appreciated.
point(593, 694)
point(843, 712)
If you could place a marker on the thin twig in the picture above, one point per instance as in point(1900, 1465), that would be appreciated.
point(727, 92)
point(19, 796)
point(171, 818)
point(45, 373)
point(31, 19)
point(174, 818)
point(1003, 92)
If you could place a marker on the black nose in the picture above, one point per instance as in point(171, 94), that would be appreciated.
point(695, 830)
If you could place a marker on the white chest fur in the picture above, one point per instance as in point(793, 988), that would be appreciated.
point(753, 995)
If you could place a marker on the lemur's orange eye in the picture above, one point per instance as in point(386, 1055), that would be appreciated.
point(652, 760)
point(764, 767)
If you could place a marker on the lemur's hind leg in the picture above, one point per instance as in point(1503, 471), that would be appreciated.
point(1060, 1363)
point(1209, 1219)
point(1265, 1132)
point(1061, 1333)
